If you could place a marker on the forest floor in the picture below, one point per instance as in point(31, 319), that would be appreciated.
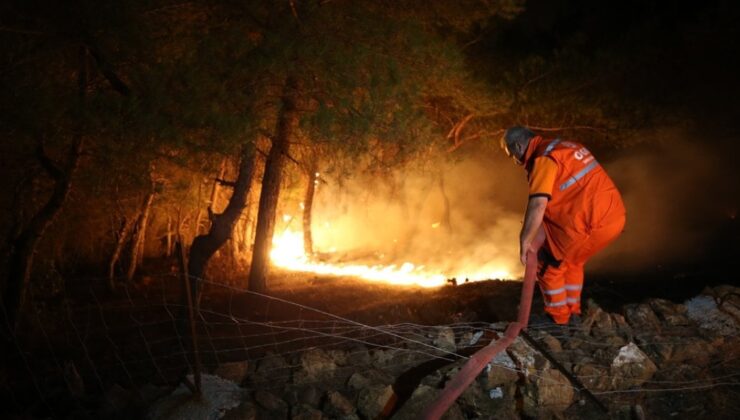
point(135, 336)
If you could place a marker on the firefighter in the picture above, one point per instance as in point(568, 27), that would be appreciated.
point(573, 206)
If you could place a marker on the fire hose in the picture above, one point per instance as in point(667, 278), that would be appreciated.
point(460, 382)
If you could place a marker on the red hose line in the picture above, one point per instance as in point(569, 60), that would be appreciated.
point(460, 382)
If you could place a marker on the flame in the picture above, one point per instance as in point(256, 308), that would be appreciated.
point(288, 253)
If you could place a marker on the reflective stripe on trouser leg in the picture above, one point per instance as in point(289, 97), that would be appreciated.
point(573, 287)
point(552, 285)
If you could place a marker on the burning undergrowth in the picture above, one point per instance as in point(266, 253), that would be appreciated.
point(409, 228)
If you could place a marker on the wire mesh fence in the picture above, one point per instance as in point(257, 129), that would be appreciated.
point(71, 350)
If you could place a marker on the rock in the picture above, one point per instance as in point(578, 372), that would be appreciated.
point(641, 317)
point(358, 356)
point(594, 377)
point(271, 370)
point(311, 396)
point(501, 370)
point(476, 401)
point(339, 357)
point(671, 313)
point(245, 411)
point(526, 359)
point(397, 361)
point(271, 403)
point(305, 412)
point(337, 405)
point(623, 328)
point(218, 397)
point(680, 373)
point(303, 395)
point(358, 381)
point(552, 343)
point(420, 399)
point(234, 371)
point(548, 393)
point(445, 339)
point(631, 367)
point(376, 401)
point(316, 366)
point(597, 322)
point(691, 349)
point(704, 311)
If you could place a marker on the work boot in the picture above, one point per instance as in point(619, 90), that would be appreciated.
point(575, 321)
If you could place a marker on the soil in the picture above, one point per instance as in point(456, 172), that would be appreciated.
point(134, 336)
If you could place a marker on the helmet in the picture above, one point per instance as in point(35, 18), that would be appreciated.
point(516, 138)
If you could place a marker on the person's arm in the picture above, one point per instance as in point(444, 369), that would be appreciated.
point(532, 222)
point(541, 183)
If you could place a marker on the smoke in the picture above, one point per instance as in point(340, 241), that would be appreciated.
point(454, 218)
point(679, 198)
point(463, 218)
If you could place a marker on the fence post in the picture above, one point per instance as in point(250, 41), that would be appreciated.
point(191, 318)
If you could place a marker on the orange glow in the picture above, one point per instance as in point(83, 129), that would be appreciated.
point(287, 252)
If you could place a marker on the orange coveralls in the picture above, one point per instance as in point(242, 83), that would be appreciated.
point(584, 214)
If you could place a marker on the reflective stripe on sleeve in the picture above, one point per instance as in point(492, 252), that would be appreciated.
point(579, 175)
point(555, 291)
point(555, 304)
point(550, 146)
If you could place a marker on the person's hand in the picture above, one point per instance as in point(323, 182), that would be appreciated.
point(523, 251)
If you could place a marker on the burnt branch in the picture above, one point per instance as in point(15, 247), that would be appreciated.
point(106, 68)
point(225, 183)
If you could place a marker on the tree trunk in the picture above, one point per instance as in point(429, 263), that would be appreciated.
point(123, 236)
point(23, 246)
point(222, 226)
point(287, 126)
point(137, 243)
point(168, 249)
point(308, 206)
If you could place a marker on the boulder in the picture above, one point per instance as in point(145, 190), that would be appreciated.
point(597, 322)
point(234, 371)
point(526, 359)
point(271, 369)
point(547, 393)
point(370, 377)
point(305, 412)
point(501, 370)
point(594, 377)
point(478, 402)
point(245, 411)
point(376, 401)
point(642, 318)
point(687, 349)
point(631, 367)
point(445, 339)
point(271, 403)
point(671, 313)
point(358, 355)
point(337, 405)
point(420, 399)
point(316, 366)
point(704, 311)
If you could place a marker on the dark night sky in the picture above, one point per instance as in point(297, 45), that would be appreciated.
point(681, 55)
